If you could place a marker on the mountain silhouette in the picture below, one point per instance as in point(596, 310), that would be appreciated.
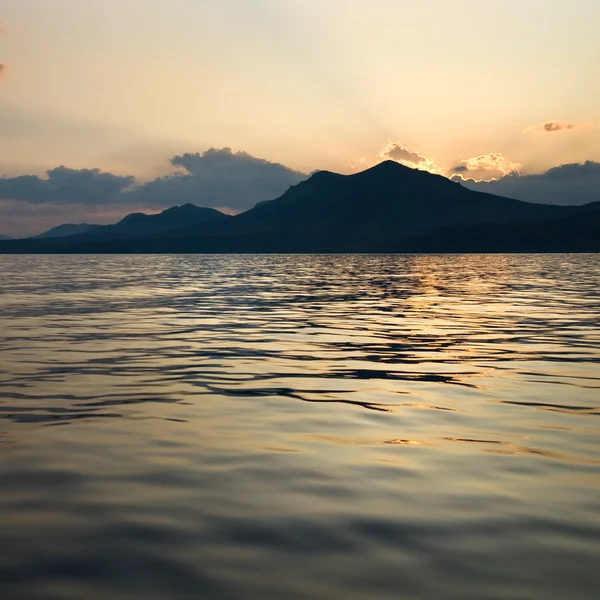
point(385, 201)
point(66, 230)
point(134, 225)
point(387, 208)
point(140, 224)
point(575, 232)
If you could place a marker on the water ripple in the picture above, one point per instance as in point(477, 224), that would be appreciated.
point(242, 427)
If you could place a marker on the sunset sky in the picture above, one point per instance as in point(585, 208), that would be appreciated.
point(472, 89)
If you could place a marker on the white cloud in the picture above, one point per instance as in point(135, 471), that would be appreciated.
point(485, 167)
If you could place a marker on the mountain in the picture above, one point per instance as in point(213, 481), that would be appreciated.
point(388, 208)
point(370, 211)
point(140, 224)
point(576, 232)
point(386, 201)
point(5, 237)
point(66, 230)
point(71, 238)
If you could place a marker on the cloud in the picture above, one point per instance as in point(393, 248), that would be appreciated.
point(555, 126)
point(484, 167)
point(360, 164)
point(216, 177)
point(396, 151)
point(219, 178)
point(408, 157)
point(65, 186)
point(573, 183)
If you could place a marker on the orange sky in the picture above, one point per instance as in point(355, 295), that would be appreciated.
point(312, 84)
point(123, 85)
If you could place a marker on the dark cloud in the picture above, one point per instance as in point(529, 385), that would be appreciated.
point(219, 177)
point(65, 186)
point(575, 184)
point(214, 178)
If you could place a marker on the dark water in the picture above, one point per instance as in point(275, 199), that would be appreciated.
point(336, 427)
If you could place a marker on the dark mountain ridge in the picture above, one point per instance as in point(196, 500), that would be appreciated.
point(176, 217)
point(133, 226)
point(386, 200)
point(66, 230)
point(386, 208)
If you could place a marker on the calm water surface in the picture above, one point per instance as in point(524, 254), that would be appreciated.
point(328, 427)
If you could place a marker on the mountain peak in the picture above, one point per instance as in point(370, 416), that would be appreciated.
point(389, 167)
point(66, 229)
point(188, 206)
point(390, 164)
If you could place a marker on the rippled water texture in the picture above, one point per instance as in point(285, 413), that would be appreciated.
point(329, 427)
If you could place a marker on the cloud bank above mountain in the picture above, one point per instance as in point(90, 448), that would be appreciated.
point(65, 186)
point(408, 157)
point(485, 167)
point(236, 181)
point(213, 178)
point(574, 183)
point(219, 178)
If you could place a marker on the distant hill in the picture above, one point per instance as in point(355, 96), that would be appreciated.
point(68, 238)
point(66, 230)
point(5, 237)
point(141, 224)
point(388, 208)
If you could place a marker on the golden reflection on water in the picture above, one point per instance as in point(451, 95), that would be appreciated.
point(300, 426)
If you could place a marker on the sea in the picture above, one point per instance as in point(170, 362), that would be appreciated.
point(336, 427)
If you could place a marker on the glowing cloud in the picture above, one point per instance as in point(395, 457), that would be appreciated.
point(396, 151)
point(485, 167)
point(408, 157)
point(359, 164)
point(569, 184)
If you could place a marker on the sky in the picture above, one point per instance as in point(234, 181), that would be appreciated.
point(113, 106)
